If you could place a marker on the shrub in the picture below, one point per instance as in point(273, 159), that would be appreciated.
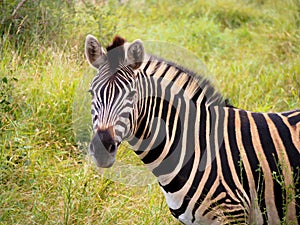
point(33, 22)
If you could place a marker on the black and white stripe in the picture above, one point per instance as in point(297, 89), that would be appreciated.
point(216, 164)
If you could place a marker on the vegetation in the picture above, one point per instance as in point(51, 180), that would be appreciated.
point(251, 49)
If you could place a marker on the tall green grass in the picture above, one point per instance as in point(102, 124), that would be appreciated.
point(251, 49)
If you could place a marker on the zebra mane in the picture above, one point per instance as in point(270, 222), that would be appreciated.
point(118, 41)
point(116, 53)
point(116, 56)
point(213, 97)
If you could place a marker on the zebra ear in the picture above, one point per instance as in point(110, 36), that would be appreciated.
point(135, 54)
point(94, 53)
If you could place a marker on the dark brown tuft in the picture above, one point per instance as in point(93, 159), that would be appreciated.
point(116, 53)
point(118, 41)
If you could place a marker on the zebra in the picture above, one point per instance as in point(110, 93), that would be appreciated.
point(215, 163)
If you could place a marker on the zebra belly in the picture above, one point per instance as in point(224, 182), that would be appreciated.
point(205, 214)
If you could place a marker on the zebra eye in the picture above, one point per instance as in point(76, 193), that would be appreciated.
point(131, 95)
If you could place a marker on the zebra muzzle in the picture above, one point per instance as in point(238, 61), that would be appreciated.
point(103, 148)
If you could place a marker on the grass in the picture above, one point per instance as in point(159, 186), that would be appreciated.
point(250, 48)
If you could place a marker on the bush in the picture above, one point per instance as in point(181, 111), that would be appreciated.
point(33, 22)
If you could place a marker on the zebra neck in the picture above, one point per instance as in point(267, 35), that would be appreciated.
point(173, 108)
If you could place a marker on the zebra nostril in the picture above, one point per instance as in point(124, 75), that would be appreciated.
point(112, 148)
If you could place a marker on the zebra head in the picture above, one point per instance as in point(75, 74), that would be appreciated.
point(114, 95)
